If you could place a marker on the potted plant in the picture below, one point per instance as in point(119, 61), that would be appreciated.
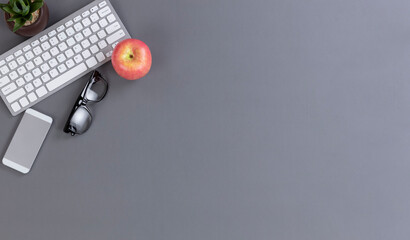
point(26, 17)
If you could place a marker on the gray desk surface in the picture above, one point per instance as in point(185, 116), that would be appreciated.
point(259, 120)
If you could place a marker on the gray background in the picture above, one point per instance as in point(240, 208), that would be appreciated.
point(264, 119)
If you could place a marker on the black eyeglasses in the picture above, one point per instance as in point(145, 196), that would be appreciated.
point(80, 117)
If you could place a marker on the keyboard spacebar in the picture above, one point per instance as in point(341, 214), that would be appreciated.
point(67, 76)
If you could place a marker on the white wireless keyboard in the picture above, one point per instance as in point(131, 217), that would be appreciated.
point(59, 55)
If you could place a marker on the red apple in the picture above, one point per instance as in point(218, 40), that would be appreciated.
point(131, 59)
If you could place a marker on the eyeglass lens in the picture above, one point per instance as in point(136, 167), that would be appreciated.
point(96, 90)
point(81, 120)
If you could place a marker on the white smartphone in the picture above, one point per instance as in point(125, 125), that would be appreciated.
point(27, 141)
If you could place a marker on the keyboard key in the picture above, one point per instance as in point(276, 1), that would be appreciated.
point(36, 72)
point(41, 91)
point(69, 23)
point(69, 53)
point(37, 83)
point(101, 34)
point(103, 22)
point(29, 87)
point(85, 43)
point(37, 50)
point(70, 63)
point(86, 22)
point(93, 39)
point(52, 33)
point(62, 68)
point(86, 53)
point(15, 95)
point(18, 53)
point(85, 14)
point(70, 31)
point(9, 58)
point(45, 78)
point(26, 48)
point(32, 97)
point(67, 76)
point(24, 102)
point(62, 36)
point(102, 4)
point(13, 64)
point(21, 60)
point(104, 12)
point(2, 62)
point(29, 55)
point(115, 37)
point(46, 56)
point(38, 61)
point(77, 48)
point(53, 62)
point(43, 38)
point(29, 65)
point(70, 42)
point(78, 58)
point(94, 49)
point(79, 37)
point(54, 41)
point(113, 27)
point(9, 88)
point(95, 27)
point(60, 28)
point(13, 75)
point(45, 67)
point(102, 44)
point(20, 82)
point(62, 46)
point(45, 46)
point(94, 9)
point(76, 19)
point(54, 51)
point(4, 70)
point(28, 77)
point(91, 62)
point(61, 58)
point(100, 57)
point(111, 18)
point(53, 73)
point(4, 80)
point(35, 43)
point(78, 26)
point(21, 70)
point(108, 54)
point(94, 17)
point(87, 32)
point(15, 106)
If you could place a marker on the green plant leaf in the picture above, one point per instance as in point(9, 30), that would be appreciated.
point(11, 19)
point(8, 9)
point(18, 23)
point(25, 8)
point(34, 6)
point(27, 2)
point(17, 8)
point(28, 17)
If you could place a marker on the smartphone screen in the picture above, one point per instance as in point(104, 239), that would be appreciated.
point(27, 141)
